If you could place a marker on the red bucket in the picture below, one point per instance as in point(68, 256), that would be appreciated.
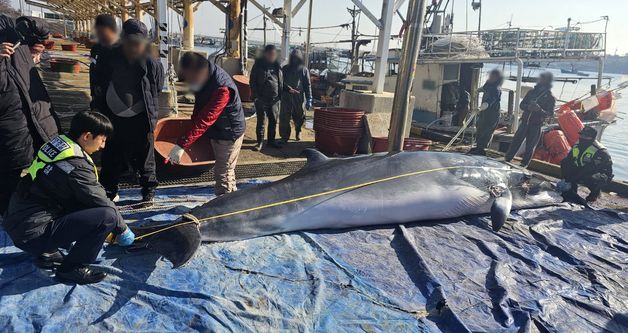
point(380, 145)
point(337, 143)
point(65, 65)
point(244, 88)
point(69, 47)
point(49, 44)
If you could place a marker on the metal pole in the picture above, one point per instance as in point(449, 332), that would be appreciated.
point(287, 26)
point(162, 23)
point(515, 117)
point(308, 35)
point(480, 19)
point(407, 66)
point(244, 41)
point(265, 18)
point(383, 42)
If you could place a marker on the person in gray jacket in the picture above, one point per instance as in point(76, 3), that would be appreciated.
point(296, 97)
point(60, 202)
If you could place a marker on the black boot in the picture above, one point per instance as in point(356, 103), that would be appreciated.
point(148, 198)
point(258, 146)
point(298, 136)
point(594, 195)
point(49, 260)
point(79, 274)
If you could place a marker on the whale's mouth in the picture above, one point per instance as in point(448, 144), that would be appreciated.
point(176, 242)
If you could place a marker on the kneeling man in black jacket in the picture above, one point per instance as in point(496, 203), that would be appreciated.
point(60, 202)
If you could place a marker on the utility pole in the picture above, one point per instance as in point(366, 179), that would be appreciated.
point(354, 13)
point(265, 20)
point(307, 38)
point(407, 66)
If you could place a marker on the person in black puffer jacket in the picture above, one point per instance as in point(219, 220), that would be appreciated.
point(107, 35)
point(266, 85)
point(27, 119)
point(127, 88)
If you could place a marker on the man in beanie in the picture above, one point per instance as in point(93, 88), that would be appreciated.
point(296, 97)
point(127, 87)
point(266, 89)
point(27, 118)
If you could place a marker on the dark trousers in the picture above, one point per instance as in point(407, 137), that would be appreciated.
point(8, 183)
point(487, 122)
point(118, 154)
point(263, 110)
point(87, 228)
point(531, 133)
point(292, 108)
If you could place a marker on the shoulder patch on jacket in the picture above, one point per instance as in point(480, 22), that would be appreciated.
point(65, 166)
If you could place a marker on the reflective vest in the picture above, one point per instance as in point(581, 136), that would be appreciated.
point(581, 158)
point(58, 149)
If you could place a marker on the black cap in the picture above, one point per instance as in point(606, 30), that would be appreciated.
point(32, 30)
point(589, 132)
point(135, 30)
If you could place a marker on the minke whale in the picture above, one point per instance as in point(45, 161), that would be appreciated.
point(338, 193)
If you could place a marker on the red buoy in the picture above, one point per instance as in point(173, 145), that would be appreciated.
point(571, 125)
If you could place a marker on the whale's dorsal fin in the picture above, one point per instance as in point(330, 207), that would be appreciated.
point(314, 157)
point(500, 210)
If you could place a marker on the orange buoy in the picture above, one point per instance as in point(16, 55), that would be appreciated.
point(571, 125)
point(557, 146)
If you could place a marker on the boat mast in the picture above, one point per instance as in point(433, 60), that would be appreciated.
point(407, 66)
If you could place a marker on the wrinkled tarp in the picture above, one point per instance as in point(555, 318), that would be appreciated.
point(555, 269)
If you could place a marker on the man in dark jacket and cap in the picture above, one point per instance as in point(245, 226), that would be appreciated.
point(127, 87)
point(266, 88)
point(537, 105)
point(296, 97)
point(107, 36)
point(490, 109)
point(588, 164)
point(218, 115)
point(27, 119)
point(60, 202)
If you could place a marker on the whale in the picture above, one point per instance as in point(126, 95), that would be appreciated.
point(356, 192)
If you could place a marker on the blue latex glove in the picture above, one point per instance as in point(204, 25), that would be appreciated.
point(126, 238)
point(308, 104)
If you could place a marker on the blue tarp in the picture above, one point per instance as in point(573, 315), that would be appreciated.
point(555, 269)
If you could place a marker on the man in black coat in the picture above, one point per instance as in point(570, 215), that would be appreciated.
point(490, 109)
point(537, 105)
point(127, 87)
point(60, 202)
point(107, 36)
point(266, 85)
point(27, 119)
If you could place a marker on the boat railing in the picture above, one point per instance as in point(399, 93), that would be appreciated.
point(515, 43)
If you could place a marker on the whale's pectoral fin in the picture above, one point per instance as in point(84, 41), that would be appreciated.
point(501, 208)
point(176, 242)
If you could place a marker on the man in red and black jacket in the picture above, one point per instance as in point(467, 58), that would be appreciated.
point(217, 114)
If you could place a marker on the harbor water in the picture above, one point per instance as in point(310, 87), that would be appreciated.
point(615, 136)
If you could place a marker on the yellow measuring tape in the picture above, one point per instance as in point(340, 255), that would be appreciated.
point(307, 197)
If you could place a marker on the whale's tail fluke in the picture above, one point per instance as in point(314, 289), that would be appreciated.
point(176, 242)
